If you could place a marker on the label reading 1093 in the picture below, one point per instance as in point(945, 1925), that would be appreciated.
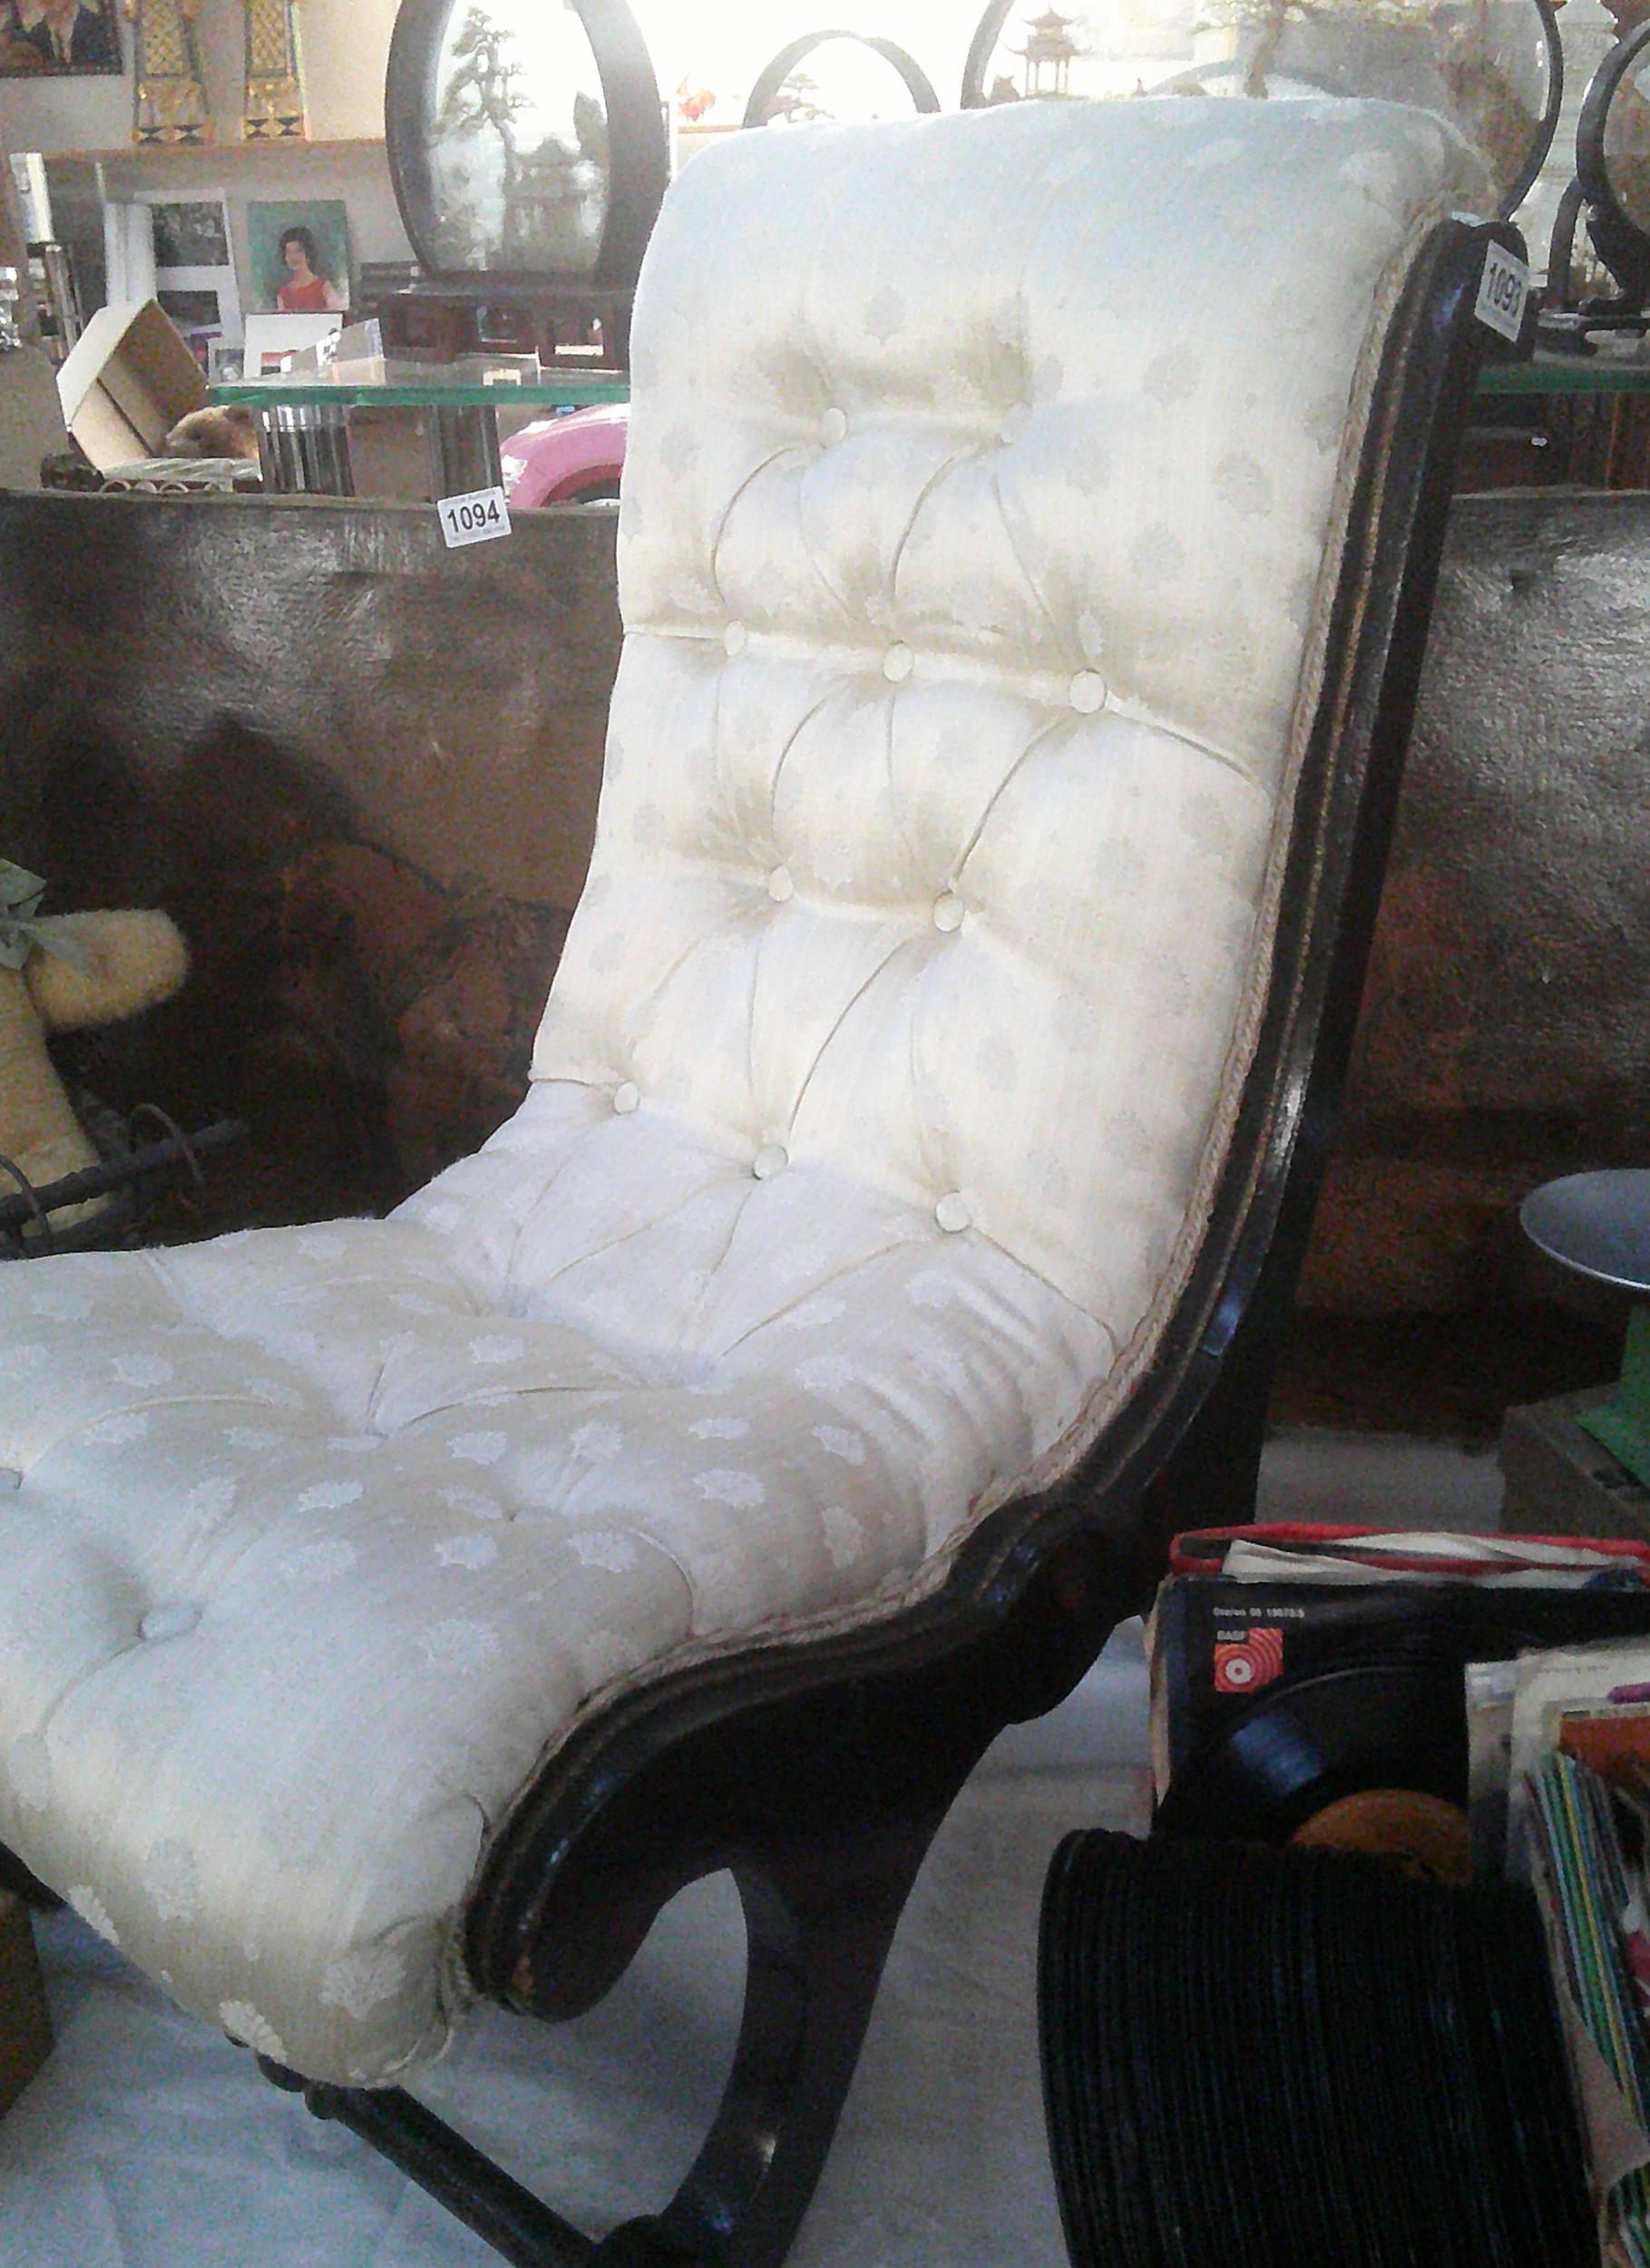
point(477, 518)
point(1502, 293)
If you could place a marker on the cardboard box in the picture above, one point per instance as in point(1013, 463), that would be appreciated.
point(25, 2028)
point(128, 379)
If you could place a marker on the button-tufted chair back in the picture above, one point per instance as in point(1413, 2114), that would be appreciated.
point(978, 533)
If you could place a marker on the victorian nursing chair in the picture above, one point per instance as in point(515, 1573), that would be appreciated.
point(1027, 544)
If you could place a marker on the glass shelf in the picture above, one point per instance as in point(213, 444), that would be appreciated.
point(1569, 374)
point(556, 389)
point(305, 414)
point(408, 389)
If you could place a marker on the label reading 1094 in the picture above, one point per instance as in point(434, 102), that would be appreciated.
point(477, 518)
point(1503, 291)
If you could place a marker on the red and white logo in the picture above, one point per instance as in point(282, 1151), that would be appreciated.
point(1244, 1665)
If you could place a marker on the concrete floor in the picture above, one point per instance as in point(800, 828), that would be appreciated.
point(148, 2142)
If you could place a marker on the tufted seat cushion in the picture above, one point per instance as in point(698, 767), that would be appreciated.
point(980, 518)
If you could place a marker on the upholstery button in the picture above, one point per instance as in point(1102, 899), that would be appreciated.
point(779, 885)
point(948, 911)
point(1087, 692)
point(627, 1097)
point(173, 1621)
point(898, 663)
point(735, 638)
point(834, 426)
point(9, 1479)
point(953, 1214)
point(1015, 423)
point(771, 1159)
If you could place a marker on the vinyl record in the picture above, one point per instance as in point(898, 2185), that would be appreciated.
point(1366, 2061)
point(1289, 2058)
point(1420, 1832)
point(1302, 1748)
point(1507, 1987)
point(1278, 2062)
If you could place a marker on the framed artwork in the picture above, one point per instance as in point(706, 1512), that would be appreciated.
point(298, 256)
point(194, 265)
point(191, 233)
point(58, 36)
point(526, 140)
point(191, 310)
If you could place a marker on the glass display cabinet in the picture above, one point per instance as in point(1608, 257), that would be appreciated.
point(528, 150)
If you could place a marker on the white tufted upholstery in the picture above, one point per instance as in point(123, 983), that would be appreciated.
point(982, 479)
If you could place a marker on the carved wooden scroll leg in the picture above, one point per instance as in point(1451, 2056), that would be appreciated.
point(819, 1921)
point(819, 1925)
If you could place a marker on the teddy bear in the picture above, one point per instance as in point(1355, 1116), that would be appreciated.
point(214, 433)
point(63, 973)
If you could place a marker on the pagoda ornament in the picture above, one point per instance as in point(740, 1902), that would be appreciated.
point(275, 109)
point(170, 102)
point(1052, 48)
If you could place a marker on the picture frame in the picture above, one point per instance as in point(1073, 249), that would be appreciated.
point(57, 39)
point(191, 231)
point(298, 256)
point(194, 265)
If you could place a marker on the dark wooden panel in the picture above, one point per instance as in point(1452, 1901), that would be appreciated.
point(360, 770)
point(1505, 1035)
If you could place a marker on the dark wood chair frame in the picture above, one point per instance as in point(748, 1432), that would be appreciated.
point(816, 1770)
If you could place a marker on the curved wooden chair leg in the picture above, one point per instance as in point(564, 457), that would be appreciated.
point(820, 1916)
point(819, 1925)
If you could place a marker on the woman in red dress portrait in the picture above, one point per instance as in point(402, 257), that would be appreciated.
point(306, 290)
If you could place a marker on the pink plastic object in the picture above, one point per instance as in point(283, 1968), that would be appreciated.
point(575, 458)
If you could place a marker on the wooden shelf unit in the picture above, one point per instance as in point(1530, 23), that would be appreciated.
point(166, 152)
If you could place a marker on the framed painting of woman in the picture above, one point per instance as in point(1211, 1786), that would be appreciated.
point(299, 252)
